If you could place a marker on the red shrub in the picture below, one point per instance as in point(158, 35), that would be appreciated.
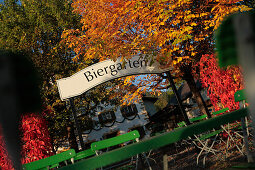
point(221, 84)
point(36, 142)
point(5, 162)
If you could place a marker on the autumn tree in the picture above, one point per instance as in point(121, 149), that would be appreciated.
point(174, 32)
point(35, 27)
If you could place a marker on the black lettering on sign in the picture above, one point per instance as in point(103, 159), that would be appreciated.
point(88, 76)
point(136, 64)
point(119, 66)
point(99, 71)
point(114, 69)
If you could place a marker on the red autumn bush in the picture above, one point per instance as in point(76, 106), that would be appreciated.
point(5, 162)
point(36, 143)
point(36, 139)
point(221, 84)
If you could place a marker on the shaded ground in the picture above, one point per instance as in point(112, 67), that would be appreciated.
point(228, 151)
point(184, 157)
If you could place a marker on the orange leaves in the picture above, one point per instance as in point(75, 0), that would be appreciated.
point(176, 31)
point(114, 28)
point(162, 23)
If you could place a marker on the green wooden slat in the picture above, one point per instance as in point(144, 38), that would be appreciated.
point(115, 140)
point(181, 124)
point(52, 160)
point(206, 136)
point(84, 154)
point(198, 118)
point(220, 111)
point(240, 95)
point(156, 142)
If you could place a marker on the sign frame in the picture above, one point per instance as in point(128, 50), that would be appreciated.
point(104, 71)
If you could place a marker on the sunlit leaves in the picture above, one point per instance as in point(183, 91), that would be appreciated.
point(122, 28)
point(36, 142)
point(221, 84)
point(176, 32)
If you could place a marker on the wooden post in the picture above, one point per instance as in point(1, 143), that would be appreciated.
point(165, 162)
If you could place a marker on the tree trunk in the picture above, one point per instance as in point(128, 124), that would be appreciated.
point(52, 144)
point(188, 77)
point(71, 138)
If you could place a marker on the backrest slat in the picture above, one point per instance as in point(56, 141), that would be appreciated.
point(84, 154)
point(115, 140)
point(52, 160)
point(220, 111)
point(181, 124)
point(197, 118)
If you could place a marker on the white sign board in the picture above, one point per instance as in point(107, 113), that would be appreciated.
point(102, 72)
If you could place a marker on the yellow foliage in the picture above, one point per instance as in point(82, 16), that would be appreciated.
point(163, 28)
point(193, 24)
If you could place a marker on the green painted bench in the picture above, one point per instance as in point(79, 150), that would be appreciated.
point(106, 144)
point(156, 142)
point(50, 162)
point(130, 136)
point(99, 145)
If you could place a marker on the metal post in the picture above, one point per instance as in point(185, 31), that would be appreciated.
point(77, 124)
point(170, 78)
point(165, 162)
point(245, 136)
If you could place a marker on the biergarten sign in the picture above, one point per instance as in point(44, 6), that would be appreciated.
point(104, 71)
